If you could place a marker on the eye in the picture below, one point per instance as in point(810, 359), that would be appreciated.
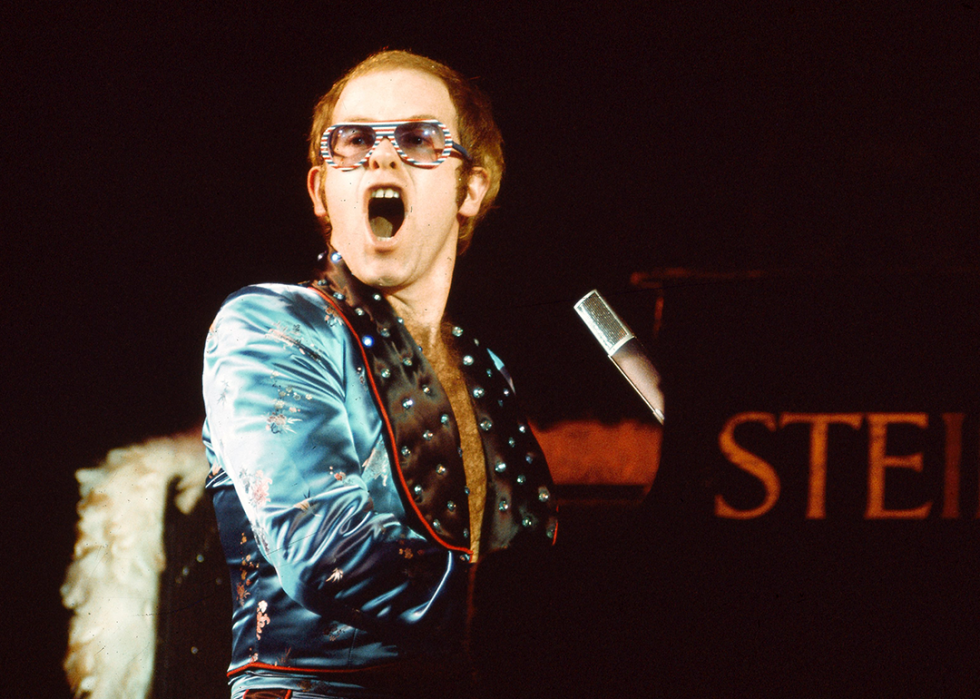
point(352, 136)
point(422, 138)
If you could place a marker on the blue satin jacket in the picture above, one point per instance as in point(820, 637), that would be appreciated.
point(338, 483)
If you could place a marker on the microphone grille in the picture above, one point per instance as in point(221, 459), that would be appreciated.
point(611, 332)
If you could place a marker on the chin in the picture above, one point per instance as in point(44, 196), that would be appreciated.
point(378, 274)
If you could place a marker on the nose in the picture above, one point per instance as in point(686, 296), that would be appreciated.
point(384, 156)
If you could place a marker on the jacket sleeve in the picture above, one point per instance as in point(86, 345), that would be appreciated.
point(280, 427)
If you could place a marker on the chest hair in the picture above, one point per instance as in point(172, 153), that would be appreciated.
point(474, 464)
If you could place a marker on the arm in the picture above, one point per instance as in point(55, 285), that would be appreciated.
point(292, 441)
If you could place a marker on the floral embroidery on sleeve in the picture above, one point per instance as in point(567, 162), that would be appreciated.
point(376, 465)
point(292, 337)
point(261, 618)
point(242, 593)
point(336, 630)
point(211, 344)
point(330, 316)
point(282, 415)
point(257, 485)
point(289, 337)
point(246, 567)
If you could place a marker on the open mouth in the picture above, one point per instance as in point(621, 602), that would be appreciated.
point(386, 212)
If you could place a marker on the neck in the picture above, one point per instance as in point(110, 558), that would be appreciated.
point(423, 317)
point(422, 304)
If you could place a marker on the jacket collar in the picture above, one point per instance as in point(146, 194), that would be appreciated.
point(421, 431)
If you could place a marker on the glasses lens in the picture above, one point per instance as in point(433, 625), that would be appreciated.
point(421, 141)
point(349, 143)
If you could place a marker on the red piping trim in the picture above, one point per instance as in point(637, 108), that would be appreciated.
point(387, 423)
point(317, 670)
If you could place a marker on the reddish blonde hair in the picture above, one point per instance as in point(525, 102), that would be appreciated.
point(478, 132)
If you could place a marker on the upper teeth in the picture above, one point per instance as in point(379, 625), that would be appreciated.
point(387, 193)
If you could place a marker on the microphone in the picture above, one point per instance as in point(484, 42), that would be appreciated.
point(623, 349)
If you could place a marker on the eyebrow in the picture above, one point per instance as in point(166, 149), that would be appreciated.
point(416, 117)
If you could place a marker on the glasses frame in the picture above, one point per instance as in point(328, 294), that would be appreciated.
point(386, 129)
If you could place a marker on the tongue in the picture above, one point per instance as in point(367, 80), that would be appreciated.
point(385, 216)
point(382, 227)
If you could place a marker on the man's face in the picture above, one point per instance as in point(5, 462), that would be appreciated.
point(380, 246)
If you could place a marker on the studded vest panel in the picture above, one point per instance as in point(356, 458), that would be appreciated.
point(421, 431)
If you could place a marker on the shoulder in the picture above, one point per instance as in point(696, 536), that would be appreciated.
point(290, 313)
point(267, 305)
point(275, 300)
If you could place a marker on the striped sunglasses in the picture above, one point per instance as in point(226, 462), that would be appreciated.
point(422, 143)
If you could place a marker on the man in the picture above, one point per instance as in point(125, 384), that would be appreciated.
point(364, 451)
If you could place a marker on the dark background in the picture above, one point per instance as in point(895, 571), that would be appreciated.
point(153, 162)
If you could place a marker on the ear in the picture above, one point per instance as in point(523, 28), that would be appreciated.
point(476, 189)
point(313, 186)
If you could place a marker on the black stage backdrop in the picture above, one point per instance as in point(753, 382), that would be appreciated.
point(808, 170)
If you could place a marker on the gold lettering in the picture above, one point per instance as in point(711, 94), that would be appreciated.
point(951, 475)
point(750, 463)
point(879, 460)
point(817, 492)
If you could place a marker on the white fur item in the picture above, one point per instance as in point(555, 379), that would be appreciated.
point(112, 585)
